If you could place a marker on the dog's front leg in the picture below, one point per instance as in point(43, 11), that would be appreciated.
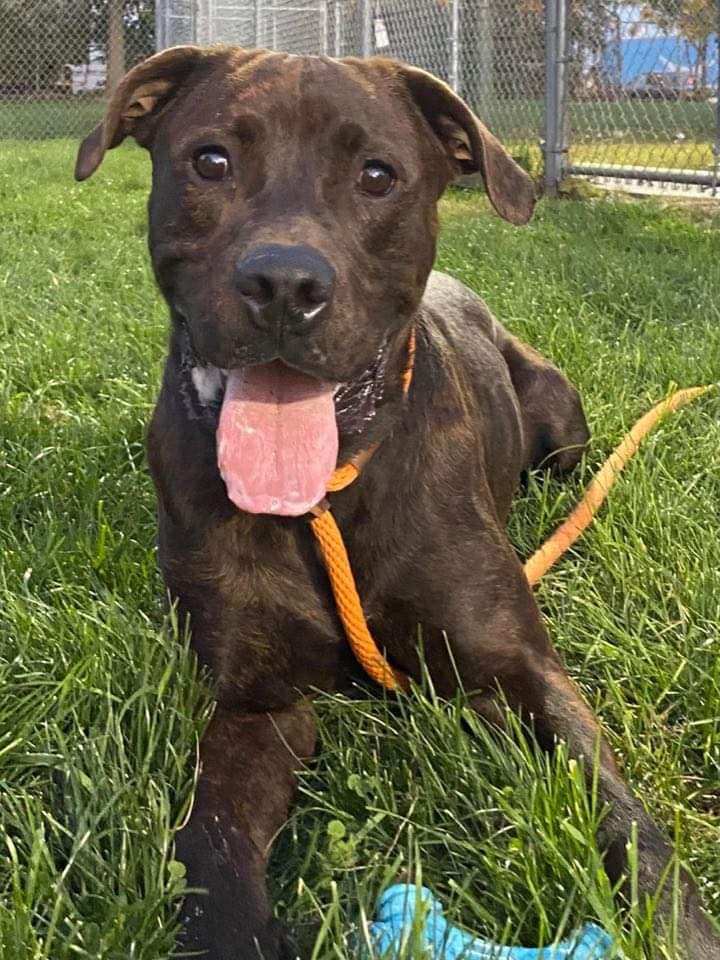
point(498, 642)
point(246, 784)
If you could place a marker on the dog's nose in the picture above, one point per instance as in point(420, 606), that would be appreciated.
point(285, 285)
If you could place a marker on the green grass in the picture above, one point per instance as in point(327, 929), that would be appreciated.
point(647, 120)
point(641, 120)
point(632, 133)
point(688, 155)
point(49, 119)
point(100, 707)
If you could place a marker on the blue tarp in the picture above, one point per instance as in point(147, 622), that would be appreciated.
point(637, 56)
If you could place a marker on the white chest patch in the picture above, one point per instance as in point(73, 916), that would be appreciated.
point(208, 381)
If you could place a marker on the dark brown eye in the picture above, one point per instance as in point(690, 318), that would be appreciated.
point(377, 178)
point(212, 163)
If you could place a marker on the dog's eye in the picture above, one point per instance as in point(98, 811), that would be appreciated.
point(212, 163)
point(377, 178)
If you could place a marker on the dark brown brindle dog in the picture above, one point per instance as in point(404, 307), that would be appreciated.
point(292, 230)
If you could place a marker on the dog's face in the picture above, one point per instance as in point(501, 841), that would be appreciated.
point(292, 214)
point(292, 231)
point(293, 206)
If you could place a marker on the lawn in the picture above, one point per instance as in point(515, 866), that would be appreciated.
point(599, 151)
point(49, 119)
point(683, 155)
point(631, 133)
point(100, 706)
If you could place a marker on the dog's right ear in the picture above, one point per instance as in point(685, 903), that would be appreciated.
point(139, 95)
point(469, 145)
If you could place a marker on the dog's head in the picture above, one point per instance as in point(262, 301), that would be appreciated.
point(293, 204)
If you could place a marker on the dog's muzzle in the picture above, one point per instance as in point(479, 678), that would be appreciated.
point(286, 290)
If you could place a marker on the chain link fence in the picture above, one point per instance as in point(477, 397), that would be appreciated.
point(586, 87)
point(58, 58)
point(492, 54)
point(641, 91)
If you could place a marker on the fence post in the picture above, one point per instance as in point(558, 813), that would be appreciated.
point(367, 25)
point(115, 57)
point(258, 23)
point(455, 46)
point(203, 12)
point(160, 25)
point(555, 60)
point(323, 27)
point(484, 83)
point(338, 29)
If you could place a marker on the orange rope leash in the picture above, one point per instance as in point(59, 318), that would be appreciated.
point(343, 476)
point(349, 606)
point(337, 563)
point(410, 365)
point(581, 517)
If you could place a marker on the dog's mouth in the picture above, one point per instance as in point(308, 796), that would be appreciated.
point(277, 439)
point(277, 428)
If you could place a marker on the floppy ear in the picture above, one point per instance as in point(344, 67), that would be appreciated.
point(471, 147)
point(140, 93)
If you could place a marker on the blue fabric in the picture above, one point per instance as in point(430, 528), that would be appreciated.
point(395, 913)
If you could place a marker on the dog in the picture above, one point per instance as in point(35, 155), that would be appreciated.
point(292, 230)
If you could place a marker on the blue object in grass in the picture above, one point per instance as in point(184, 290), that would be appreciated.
point(395, 914)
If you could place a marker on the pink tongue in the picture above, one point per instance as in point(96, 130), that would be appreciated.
point(277, 439)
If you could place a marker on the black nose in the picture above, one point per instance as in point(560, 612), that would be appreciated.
point(289, 286)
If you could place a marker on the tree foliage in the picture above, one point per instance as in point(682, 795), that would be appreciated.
point(694, 20)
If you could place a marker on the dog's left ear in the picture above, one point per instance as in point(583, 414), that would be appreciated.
point(140, 94)
point(470, 146)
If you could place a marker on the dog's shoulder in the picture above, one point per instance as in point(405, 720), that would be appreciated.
point(458, 308)
point(463, 330)
point(471, 427)
point(469, 372)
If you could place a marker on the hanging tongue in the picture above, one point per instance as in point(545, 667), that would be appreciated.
point(277, 439)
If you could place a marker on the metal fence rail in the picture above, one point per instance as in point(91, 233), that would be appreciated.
point(589, 87)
